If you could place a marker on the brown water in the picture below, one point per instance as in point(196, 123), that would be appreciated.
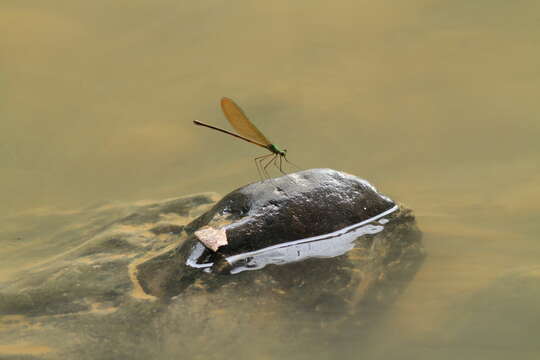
point(434, 102)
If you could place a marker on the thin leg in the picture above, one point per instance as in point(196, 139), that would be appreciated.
point(263, 169)
point(258, 165)
point(281, 166)
point(268, 163)
point(277, 164)
point(260, 161)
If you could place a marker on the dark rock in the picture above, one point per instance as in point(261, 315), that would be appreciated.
point(297, 206)
point(322, 226)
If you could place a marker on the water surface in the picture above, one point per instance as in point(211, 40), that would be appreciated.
point(434, 102)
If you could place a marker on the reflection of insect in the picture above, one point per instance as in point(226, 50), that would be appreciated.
point(250, 133)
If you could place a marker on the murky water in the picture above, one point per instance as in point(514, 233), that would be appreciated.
point(434, 102)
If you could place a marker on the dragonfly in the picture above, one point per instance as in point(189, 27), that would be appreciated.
point(249, 132)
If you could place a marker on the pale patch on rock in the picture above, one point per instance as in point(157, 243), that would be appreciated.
point(212, 238)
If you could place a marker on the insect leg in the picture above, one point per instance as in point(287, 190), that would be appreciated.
point(263, 167)
point(258, 161)
point(268, 163)
point(281, 166)
point(277, 164)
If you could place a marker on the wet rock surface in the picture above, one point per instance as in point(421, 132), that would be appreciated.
point(300, 205)
point(287, 215)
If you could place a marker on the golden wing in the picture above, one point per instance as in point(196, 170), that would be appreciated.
point(241, 123)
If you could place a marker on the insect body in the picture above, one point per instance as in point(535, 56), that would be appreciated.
point(248, 132)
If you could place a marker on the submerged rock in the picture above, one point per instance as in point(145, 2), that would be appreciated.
point(308, 256)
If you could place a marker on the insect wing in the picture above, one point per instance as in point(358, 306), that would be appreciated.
point(241, 123)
